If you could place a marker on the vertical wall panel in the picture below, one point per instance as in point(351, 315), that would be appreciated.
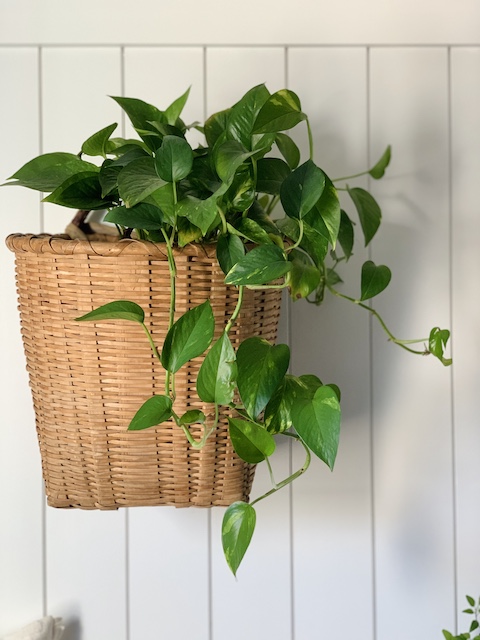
point(85, 550)
point(168, 547)
point(466, 314)
point(21, 561)
point(332, 514)
point(230, 73)
point(412, 409)
point(76, 85)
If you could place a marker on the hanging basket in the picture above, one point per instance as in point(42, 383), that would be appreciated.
point(88, 379)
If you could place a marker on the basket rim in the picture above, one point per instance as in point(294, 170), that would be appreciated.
point(100, 245)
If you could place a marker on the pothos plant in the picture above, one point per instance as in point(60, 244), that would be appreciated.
point(473, 610)
point(225, 191)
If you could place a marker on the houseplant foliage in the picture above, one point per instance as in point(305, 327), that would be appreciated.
point(225, 192)
point(473, 633)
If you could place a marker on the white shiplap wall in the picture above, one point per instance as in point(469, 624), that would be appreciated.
point(385, 547)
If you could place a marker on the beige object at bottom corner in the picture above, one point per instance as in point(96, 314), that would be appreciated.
point(45, 629)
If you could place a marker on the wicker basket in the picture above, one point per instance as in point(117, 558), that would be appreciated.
point(88, 379)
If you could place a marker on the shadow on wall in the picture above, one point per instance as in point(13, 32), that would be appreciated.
point(73, 630)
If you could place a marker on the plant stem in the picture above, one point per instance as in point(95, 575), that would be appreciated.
point(173, 273)
point(271, 205)
point(401, 343)
point(152, 344)
point(198, 444)
point(355, 175)
point(310, 138)
point(236, 311)
point(223, 219)
point(300, 237)
point(291, 478)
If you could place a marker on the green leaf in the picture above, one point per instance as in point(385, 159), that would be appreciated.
point(304, 277)
point(153, 412)
point(96, 145)
point(237, 530)
point(259, 266)
point(368, 211)
point(230, 249)
point(49, 171)
point(217, 375)
point(261, 367)
point(141, 216)
point(189, 337)
point(301, 189)
point(163, 198)
point(288, 149)
point(138, 180)
point(252, 231)
point(108, 178)
point(187, 232)
point(278, 412)
point(314, 242)
point(251, 442)
point(80, 191)
point(118, 310)
point(470, 600)
point(141, 115)
point(193, 416)
point(328, 208)
point(172, 113)
point(378, 171)
point(346, 235)
point(215, 127)
point(241, 192)
point(374, 279)
point(240, 120)
point(280, 112)
point(201, 213)
point(271, 172)
point(317, 422)
point(437, 342)
point(229, 156)
point(474, 625)
point(447, 635)
point(174, 159)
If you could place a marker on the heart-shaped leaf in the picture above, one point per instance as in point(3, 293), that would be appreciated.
point(437, 342)
point(189, 337)
point(80, 191)
point(141, 216)
point(174, 159)
point(261, 367)
point(138, 180)
point(141, 114)
point(259, 266)
point(288, 149)
point(378, 171)
point(374, 279)
point(278, 412)
point(237, 530)
point(328, 209)
point(97, 145)
point(217, 375)
point(271, 173)
point(346, 235)
point(251, 442)
point(201, 213)
point(252, 231)
point(193, 416)
point(229, 157)
point(118, 310)
point(280, 112)
point(49, 171)
point(369, 212)
point(230, 249)
point(317, 422)
point(304, 277)
point(302, 189)
point(215, 127)
point(242, 115)
point(172, 113)
point(154, 411)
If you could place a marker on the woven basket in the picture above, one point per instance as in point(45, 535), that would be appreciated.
point(89, 379)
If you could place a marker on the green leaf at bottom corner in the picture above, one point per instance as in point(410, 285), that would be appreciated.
point(154, 411)
point(237, 530)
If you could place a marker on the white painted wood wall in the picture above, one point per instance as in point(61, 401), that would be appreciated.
point(385, 547)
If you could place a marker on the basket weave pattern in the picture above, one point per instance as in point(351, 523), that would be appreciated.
point(89, 379)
